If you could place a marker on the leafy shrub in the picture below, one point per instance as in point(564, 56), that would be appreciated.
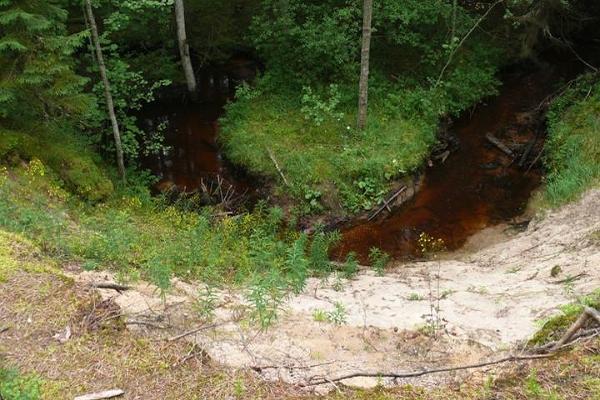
point(317, 109)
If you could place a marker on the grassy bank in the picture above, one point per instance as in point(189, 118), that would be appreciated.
point(572, 152)
point(303, 138)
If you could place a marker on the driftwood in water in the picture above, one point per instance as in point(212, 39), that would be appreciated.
point(386, 204)
point(496, 142)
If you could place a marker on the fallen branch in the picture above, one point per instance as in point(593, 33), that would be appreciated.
point(109, 394)
point(113, 286)
point(584, 334)
point(496, 142)
point(415, 374)
point(193, 331)
point(277, 166)
point(566, 339)
point(261, 368)
point(387, 203)
point(535, 160)
point(587, 313)
point(570, 278)
point(146, 323)
point(4, 329)
point(464, 39)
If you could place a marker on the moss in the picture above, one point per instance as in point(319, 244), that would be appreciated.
point(553, 328)
point(62, 152)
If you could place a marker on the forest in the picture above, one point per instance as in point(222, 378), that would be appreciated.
point(184, 183)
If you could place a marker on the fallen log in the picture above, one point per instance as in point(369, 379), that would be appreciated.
point(501, 146)
point(386, 204)
point(113, 286)
point(108, 394)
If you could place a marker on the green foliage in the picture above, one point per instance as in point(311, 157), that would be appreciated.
point(14, 386)
point(266, 294)
point(319, 252)
point(308, 41)
point(137, 235)
point(317, 109)
point(378, 260)
point(297, 264)
point(572, 150)
point(350, 267)
point(37, 80)
point(206, 303)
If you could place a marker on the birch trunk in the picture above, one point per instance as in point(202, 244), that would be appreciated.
point(184, 48)
point(107, 94)
point(363, 90)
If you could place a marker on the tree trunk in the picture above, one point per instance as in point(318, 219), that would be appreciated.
point(363, 91)
point(109, 100)
point(184, 48)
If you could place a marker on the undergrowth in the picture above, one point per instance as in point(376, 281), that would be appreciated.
point(140, 236)
point(573, 145)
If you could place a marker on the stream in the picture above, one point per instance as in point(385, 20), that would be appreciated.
point(475, 187)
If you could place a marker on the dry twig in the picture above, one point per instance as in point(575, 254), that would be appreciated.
point(551, 350)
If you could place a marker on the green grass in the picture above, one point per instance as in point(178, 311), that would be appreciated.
point(327, 159)
point(573, 145)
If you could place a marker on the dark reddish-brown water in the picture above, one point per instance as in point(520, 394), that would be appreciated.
point(193, 155)
point(475, 187)
point(191, 128)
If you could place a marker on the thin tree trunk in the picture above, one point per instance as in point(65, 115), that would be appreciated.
point(109, 100)
point(363, 91)
point(184, 48)
point(454, 9)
